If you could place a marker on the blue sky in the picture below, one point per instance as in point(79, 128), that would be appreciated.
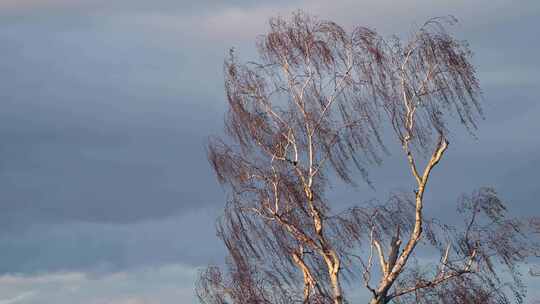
point(107, 197)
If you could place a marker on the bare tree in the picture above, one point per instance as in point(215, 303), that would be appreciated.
point(312, 111)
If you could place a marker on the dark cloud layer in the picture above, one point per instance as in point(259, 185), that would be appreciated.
point(100, 126)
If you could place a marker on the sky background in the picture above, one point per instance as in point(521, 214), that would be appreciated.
point(106, 196)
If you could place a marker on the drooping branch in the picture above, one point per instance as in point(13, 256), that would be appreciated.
point(312, 111)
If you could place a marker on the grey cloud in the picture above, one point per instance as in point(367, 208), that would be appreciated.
point(167, 284)
point(100, 249)
point(95, 123)
point(53, 7)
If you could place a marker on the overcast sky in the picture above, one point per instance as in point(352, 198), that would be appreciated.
point(106, 196)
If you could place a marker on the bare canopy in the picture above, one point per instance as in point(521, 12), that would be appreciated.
point(313, 108)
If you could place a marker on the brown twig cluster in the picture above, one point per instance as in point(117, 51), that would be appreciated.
point(315, 107)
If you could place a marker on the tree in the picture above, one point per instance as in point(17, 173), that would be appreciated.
point(312, 112)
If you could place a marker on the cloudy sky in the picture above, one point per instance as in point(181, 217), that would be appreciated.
point(106, 196)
